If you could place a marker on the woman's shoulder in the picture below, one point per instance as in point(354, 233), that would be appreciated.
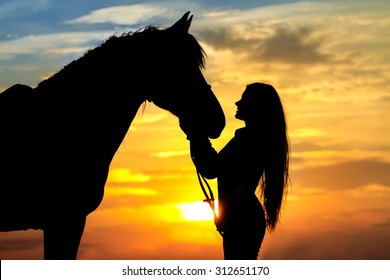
point(248, 135)
point(241, 132)
point(251, 142)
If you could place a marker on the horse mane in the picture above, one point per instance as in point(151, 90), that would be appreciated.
point(133, 43)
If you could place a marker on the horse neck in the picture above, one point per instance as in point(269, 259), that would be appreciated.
point(97, 111)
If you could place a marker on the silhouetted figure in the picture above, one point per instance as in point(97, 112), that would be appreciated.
point(258, 155)
point(58, 139)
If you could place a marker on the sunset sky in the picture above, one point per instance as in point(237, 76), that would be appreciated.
point(330, 63)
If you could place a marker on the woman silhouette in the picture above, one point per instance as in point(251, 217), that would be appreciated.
point(258, 155)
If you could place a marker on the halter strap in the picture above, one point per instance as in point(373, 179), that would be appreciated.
point(208, 194)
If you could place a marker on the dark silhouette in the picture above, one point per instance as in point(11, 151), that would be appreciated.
point(258, 155)
point(58, 139)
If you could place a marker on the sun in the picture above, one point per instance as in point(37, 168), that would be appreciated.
point(197, 211)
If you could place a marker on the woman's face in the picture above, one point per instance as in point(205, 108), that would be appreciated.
point(245, 106)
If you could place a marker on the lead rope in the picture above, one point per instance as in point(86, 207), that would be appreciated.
point(208, 194)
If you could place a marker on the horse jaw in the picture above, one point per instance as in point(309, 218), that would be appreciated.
point(207, 120)
point(216, 122)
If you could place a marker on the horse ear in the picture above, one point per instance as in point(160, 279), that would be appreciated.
point(183, 24)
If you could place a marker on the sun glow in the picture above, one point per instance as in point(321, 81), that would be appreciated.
point(197, 211)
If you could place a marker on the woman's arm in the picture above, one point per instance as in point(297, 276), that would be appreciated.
point(204, 156)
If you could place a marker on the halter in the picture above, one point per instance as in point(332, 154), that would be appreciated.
point(208, 194)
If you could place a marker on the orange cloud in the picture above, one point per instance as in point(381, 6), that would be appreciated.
point(123, 175)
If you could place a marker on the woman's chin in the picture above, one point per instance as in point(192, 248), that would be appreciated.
point(238, 117)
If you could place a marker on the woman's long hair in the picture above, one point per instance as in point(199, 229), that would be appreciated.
point(275, 177)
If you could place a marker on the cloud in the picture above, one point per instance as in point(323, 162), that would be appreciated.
point(344, 175)
point(306, 133)
point(280, 39)
point(9, 9)
point(123, 15)
point(20, 244)
point(52, 43)
point(283, 44)
point(150, 118)
point(167, 154)
point(373, 191)
point(291, 46)
point(224, 38)
point(303, 146)
point(358, 244)
point(130, 191)
point(122, 175)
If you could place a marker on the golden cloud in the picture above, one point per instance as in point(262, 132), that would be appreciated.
point(167, 154)
point(120, 191)
point(123, 175)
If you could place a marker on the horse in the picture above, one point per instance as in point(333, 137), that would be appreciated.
point(57, 140)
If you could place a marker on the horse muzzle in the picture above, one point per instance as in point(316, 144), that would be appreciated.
point(206, 120)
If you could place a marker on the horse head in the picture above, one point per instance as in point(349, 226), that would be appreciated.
point(180, 86)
